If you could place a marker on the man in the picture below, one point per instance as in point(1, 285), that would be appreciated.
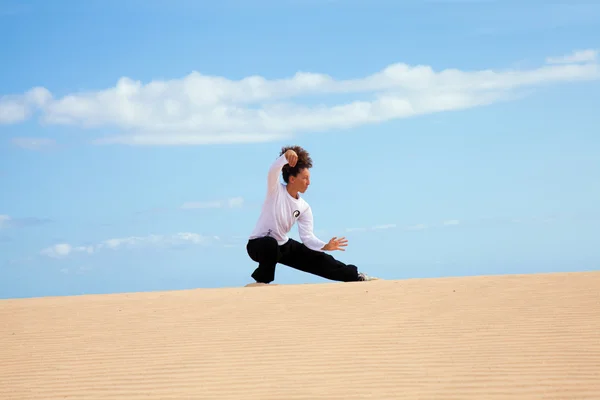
point(269, 244)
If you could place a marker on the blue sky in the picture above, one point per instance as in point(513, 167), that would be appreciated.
point(449, 138)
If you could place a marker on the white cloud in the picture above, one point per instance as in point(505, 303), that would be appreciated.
point(4, 220)
point(576, 57)
point(417, 227)
point(234, 202)
point(62, 250)
point(202, 109)
point(18, 108)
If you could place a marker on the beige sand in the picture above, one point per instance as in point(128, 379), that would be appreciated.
point(502, 337)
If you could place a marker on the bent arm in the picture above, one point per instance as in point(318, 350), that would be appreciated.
point(305, 229)
point(274, 171)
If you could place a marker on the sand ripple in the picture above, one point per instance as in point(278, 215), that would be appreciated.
point(501, 337)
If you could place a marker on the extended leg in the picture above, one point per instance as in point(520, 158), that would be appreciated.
point(300, 257)
point(265, 251)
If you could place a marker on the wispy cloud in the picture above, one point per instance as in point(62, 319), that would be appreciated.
point(62, 250)
point(581, 56)
point(234, 202)
point(7, 221)
point(417, 227)
point(201, 109)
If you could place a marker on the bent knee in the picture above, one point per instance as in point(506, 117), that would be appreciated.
point(262, 249)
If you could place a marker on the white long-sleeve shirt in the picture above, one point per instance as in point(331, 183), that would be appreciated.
point(280, 211)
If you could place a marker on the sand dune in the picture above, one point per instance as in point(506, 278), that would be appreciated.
point(496, 337)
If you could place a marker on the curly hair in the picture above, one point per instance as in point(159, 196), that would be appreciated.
point(304, 161)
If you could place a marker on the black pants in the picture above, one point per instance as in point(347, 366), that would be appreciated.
point(267, 253)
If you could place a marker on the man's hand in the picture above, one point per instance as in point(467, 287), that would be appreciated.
point(291, 157)
point(336, 244)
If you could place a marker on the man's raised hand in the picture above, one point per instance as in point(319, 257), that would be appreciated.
point(336, 244)
point(291, 157)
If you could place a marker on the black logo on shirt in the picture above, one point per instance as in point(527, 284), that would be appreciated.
point(296, 214)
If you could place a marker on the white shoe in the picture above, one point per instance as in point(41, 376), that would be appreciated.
point(364, 277)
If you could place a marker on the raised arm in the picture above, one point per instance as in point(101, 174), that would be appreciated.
point(289, 157)
point(305, 230)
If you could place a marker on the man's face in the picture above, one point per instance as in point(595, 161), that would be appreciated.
point(301, 181)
